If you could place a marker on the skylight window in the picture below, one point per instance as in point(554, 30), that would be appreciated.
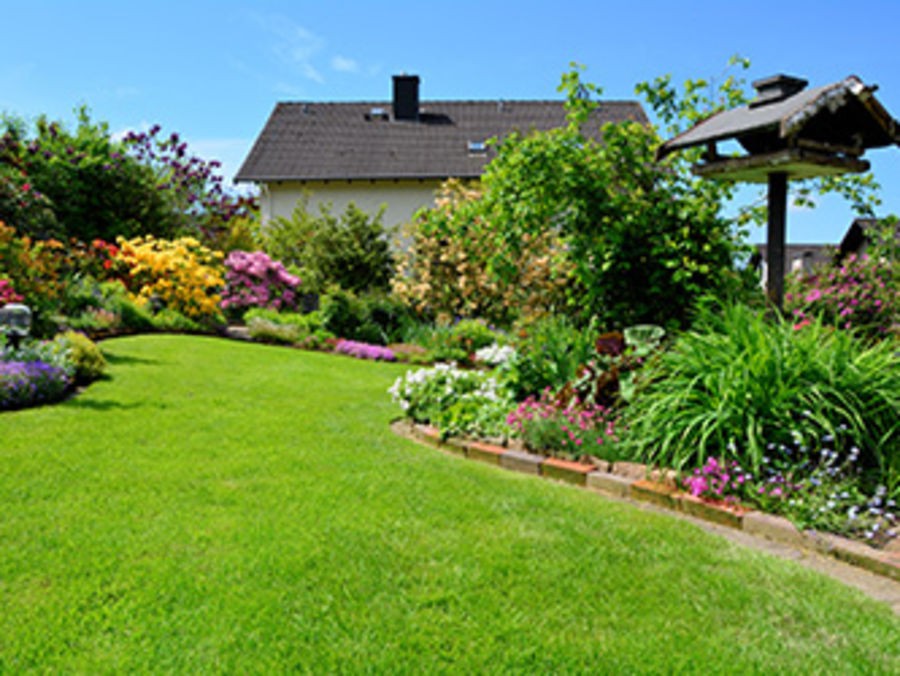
point(477, 147)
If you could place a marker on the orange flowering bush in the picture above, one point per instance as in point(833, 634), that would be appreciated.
point(181, 275)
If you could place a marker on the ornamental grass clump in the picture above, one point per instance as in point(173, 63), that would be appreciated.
point(738, 382)
point(572, 430)
point(253, 280)
point(31, 383)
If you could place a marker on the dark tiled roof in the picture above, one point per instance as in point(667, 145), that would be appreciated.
point(331, 141)
point(835, 113)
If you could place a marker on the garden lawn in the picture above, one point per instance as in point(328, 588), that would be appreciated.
point(218, 506)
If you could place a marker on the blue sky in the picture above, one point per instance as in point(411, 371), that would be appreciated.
point(213, 69)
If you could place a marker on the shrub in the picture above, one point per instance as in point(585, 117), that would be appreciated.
point(861, 294)
point(495, 355)
point(181, 275)
point(255, 280)
point(370, 318)
point(351, 251)
point(89, 362)
point(443, 271)
point(571, 430)
point(192, 188)
point(168, 319)
point(738, 385)
point(287, 327)
point(268, 331)
point(31, 383)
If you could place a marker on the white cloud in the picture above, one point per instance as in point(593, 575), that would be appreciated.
point(292, 44)
point(343, 64)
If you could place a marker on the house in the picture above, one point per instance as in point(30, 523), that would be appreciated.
point(859, 235)
point(396, 152)
point(804, 258)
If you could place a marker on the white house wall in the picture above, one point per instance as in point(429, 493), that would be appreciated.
point(403, 198)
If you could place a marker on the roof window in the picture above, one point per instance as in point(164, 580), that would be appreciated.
point(477, 147)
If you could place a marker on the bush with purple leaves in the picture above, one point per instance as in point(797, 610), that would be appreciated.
point(360, 350)
point(31, 383)
point(253, 280)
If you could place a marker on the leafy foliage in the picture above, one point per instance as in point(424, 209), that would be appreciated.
point(78, 183)
point(549, 354)
point(351, 251)
point(740, 387)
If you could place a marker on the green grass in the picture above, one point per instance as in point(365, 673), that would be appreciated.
point(226, 507)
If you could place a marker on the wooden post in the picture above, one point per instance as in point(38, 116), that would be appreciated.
point(775, 239)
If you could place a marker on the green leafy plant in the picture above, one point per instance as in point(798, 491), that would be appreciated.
point(549, 353)
point(738, 383)
point(350, 251)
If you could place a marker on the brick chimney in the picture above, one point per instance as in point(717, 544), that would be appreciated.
point(406, 97)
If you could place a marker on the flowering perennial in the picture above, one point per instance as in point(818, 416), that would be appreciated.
point(7, 293)
point(361, 350)
point(30, 383)
point(573, 430)
point(859, 294)
point(255, 280)
point(495, 354)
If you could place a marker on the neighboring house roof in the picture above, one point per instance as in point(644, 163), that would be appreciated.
point(859, 235)
point(338, 141)
point(799, 256)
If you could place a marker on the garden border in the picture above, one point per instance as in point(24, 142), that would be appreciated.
point(636, 482)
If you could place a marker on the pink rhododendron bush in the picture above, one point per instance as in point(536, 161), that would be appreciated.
point(253, 280)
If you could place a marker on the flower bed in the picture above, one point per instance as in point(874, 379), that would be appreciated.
point(361, 350)
point(31, 383)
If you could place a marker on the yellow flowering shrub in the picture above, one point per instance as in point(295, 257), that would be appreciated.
point(181, 275)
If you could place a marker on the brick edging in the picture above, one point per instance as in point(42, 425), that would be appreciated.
point(635, 481)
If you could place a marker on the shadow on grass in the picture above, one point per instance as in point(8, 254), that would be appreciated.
point(107, 404)
point(125, 359)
